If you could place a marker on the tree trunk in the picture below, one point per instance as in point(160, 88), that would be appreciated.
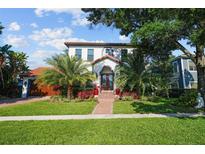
point(2, 78)
point(200, 65)
point(201, 80)
point(70, 92)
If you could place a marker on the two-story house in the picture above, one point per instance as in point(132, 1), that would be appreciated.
point(103, 57)
point(184, 73)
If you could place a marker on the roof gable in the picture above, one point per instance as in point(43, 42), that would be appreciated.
point(106, 57)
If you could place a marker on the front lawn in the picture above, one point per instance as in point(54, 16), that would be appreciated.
point(109, 131)
point(48, 108)
point(140, 106)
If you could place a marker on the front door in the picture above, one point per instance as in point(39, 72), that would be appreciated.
point(107, 81)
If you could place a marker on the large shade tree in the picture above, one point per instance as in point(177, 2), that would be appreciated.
point(160, 31)
point(66, 71)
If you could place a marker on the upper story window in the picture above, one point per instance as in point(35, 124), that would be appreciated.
point(90, 55)
point(78, 53)
point(175, 67)
point(124, 54)
point(192, 66)
point(109, 51)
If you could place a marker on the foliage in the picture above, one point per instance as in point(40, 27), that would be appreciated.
point(188, 99)
point(160, 31)
point(127, 98)
point(62, 99)
point(159, 75)
point(14, 64)
point(154, 99)
point(66, 71)
point(58, 99)
point(130, 72)
point(1, 28)
point(145, 74)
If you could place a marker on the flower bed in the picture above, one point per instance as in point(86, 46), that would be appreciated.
point(85, 94)
point(127, 93)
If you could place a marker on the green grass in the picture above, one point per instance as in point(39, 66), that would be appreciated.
point(48, 108)
point(109, 131)
point(139, 106)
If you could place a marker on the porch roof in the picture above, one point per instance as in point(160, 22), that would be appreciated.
point(106, 57)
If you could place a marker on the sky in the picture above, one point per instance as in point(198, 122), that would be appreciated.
point(41, 33)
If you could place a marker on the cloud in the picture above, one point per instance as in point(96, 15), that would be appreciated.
point(34, 25)
point(54, 37)
point(80, 21)
point(43, 54)
point(44, 12)
point(78, 16)
point(16, 41)
point(14, 26)
point(124, 38)
point(48, 33)
point(37, 58)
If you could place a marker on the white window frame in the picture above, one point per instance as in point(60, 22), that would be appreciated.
point(189, 67)
point(88, 54)
point(76, 52)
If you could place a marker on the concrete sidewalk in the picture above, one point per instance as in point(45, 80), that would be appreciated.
point(98, 116)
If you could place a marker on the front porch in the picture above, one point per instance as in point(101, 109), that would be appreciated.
point(104, 68)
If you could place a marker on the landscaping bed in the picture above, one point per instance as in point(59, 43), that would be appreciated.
point(109, 131)
point(49, 108)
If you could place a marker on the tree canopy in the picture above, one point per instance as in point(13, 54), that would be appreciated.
point(12, 63)
point(160, 31)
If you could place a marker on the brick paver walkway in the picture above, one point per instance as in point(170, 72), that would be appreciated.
point(105, 103)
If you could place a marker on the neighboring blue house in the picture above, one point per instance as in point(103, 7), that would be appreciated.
point(184, 73)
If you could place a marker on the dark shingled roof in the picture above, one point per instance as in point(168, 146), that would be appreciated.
point(127, 45)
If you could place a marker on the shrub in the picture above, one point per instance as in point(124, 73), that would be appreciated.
point(58, 99)
point(144, 98)
point(188, 99)
point(127, 98)
point(154, 98)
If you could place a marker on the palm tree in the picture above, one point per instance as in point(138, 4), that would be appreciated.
point(2, 58)
point(130, 73)
point(66, 71)
point(3, 51)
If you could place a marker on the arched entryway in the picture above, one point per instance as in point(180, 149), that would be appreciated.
point(107, 78)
